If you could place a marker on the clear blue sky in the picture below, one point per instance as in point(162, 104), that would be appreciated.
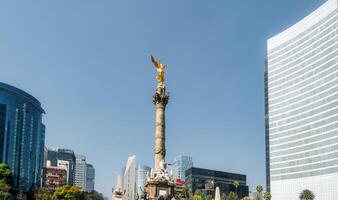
point(88, 63)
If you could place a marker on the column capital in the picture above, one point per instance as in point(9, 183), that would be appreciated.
point(161, 97)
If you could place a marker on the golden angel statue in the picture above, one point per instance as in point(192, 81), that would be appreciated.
point(160, 69)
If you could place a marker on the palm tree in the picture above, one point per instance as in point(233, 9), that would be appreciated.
point(307, 195)
point(267, 196)
point(236, 184)
point(232, 196)
point(198, 195)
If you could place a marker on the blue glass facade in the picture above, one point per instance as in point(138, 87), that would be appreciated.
point(22, 136)
point(141, 178)
point(180, 165)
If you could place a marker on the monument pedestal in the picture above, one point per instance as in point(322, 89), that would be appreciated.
point(160, 186)
point(117, 195)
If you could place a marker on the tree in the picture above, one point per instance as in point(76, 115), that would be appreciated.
point(236, 184)
point(246, 198)
point(306, 195)
point(42, 194)
point(223, 196)
point(198, 195)
point(93, 196)
point(5, 173)
point(5, 189)
point(68, 192)
point(267, 196)
point(208, 197)
point(232, 196)
point(6, 182)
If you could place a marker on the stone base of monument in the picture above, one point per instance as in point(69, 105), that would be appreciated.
point(117, 196)
point(159, 185)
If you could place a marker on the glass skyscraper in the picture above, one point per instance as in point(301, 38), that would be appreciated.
point(301, 94)
point(141, 178)
point(180, 165)
point(22, 136)
point(90, 178)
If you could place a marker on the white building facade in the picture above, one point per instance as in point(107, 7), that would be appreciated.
point(80, 171)
point(134, 179)
point(302, 107)
point(129, 179)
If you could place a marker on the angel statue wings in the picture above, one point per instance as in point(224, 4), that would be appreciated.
point(160, 69)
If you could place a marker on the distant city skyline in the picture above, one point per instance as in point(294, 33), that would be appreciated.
point(78, 171)
point(88, 64)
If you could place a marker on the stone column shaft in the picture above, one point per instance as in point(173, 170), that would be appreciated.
point(160, 100)
point(159, 135)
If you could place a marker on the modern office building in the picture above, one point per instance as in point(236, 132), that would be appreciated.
point(141, 178)
point(80, 171)
point(129, 179)
point(54, 177)
point(302, 107)
point(22, 136)
point(180, 165)
point(135, 176)
point(60, 156)
point(207, 180)
point(90, 178)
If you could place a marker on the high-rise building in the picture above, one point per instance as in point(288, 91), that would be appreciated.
point(141, 178)
point(129, 179)
point(22, 136)
point(180, 165)
point(302, 107)
point(54, 177)
point(80, 171)
point(207, 180)
point(60, 156)
point(90, 178)
point(135, 176)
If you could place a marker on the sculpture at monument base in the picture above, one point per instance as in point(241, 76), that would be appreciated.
point(160, 184)
point(118, 193)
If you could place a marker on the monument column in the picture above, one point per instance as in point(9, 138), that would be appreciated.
point(160, 100)
point(159, 184)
